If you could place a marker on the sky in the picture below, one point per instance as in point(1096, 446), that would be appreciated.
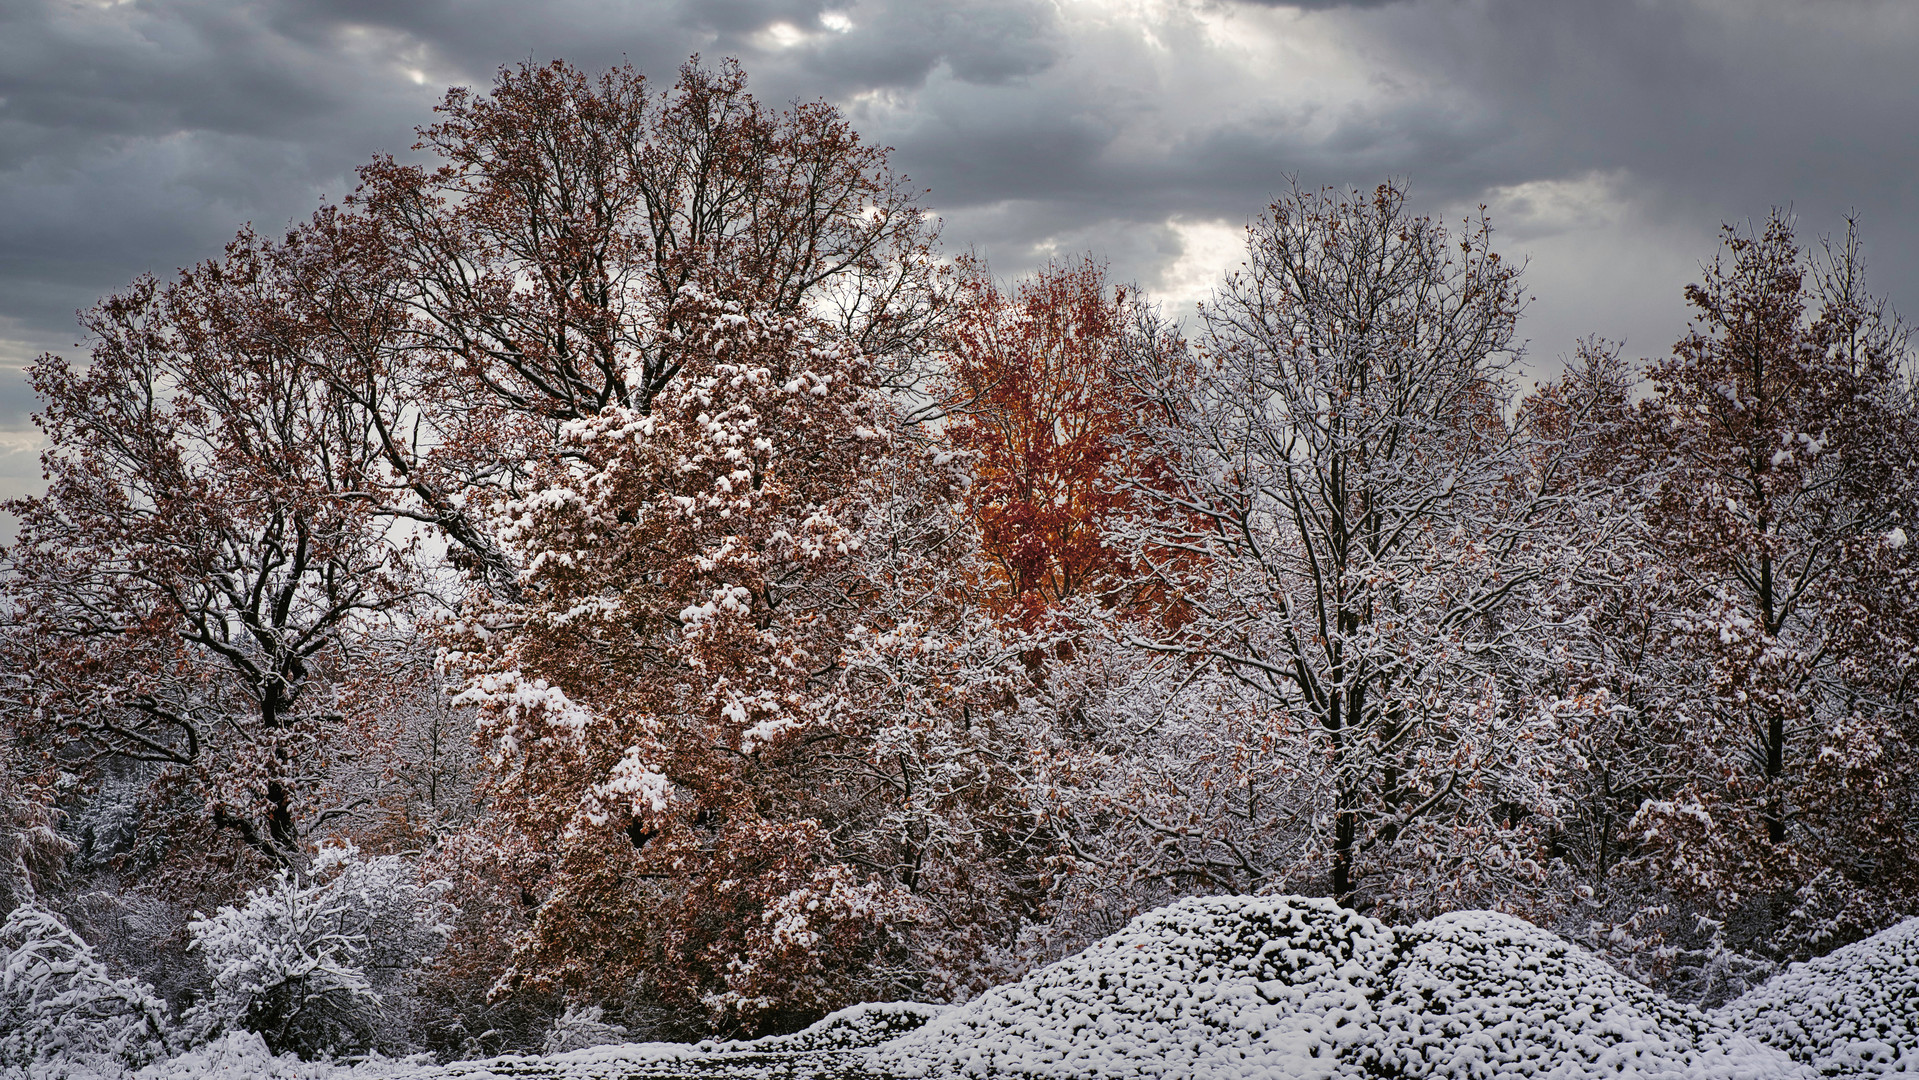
point(1608, 138)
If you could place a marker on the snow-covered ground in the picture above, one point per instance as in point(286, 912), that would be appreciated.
point(1287, 987)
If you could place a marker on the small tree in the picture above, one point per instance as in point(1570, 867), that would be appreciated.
point(315, 964)
point(1784, 437)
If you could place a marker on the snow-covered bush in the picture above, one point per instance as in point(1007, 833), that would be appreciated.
point(59, 1005)
point(311, 962)
point(1852, 1012)
point(580, 1027)
point(1493, 989)
point(1212, 984)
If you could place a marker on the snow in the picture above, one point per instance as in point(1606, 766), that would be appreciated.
point(1280, 988)
point(1854, 1012)
point(1292, 987)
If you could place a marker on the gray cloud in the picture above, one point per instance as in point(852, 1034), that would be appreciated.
point(1322, 5)
point(1609, 138)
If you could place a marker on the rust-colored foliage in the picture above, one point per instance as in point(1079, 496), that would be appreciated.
point(1041, 405)
point(663, 712)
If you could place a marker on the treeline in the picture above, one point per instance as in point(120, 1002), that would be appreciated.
point(620, 577)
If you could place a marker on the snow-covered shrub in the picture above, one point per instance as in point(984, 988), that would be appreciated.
point(1294, 987)
point(58, 1004)
point(851, 1028)
point(1852, 1012)
point(1482, 987)
point(311, 962)
point(578, 1028)
point(1216, 984)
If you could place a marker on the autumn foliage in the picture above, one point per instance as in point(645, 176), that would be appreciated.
point(1035, 374)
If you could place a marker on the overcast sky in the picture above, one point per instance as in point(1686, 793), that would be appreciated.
point(1609, 137)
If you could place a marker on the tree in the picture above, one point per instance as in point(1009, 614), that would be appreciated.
point(204, 562)
point(61, 1010)
point(665, 708)
point(542, 265)
point(1039, 404)
point(1363, 540)
point(1785, 445)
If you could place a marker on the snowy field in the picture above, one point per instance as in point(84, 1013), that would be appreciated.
point(1285, 987)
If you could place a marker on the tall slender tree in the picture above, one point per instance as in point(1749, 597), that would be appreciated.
point(1363, 537)
point(1039, 403)
point(1786, 447)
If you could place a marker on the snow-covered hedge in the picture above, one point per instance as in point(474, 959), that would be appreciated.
point(1854, 1012)
point(1480, 994)
point(1293, 987)
point(853, 1028)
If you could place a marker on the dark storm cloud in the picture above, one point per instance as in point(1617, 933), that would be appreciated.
point(1322, 5)
point(1610, 138)
point(1722, 101)
point(136, 137)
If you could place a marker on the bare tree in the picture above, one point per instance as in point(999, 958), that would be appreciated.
point(1361, 533)
point(204, 560)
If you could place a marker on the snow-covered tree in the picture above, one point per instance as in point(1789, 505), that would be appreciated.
point(31, 851)
point(59, 1004)
point(663, 709)
point(1786, 449)
point(1365, 544)
point(192, 585)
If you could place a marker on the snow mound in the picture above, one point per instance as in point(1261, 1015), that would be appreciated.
point(1854, 1012)
point(1480, 994)
point(1288, 987)
point(853, 1028)
point(1273, 986)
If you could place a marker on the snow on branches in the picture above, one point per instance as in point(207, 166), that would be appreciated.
point(310, 962)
